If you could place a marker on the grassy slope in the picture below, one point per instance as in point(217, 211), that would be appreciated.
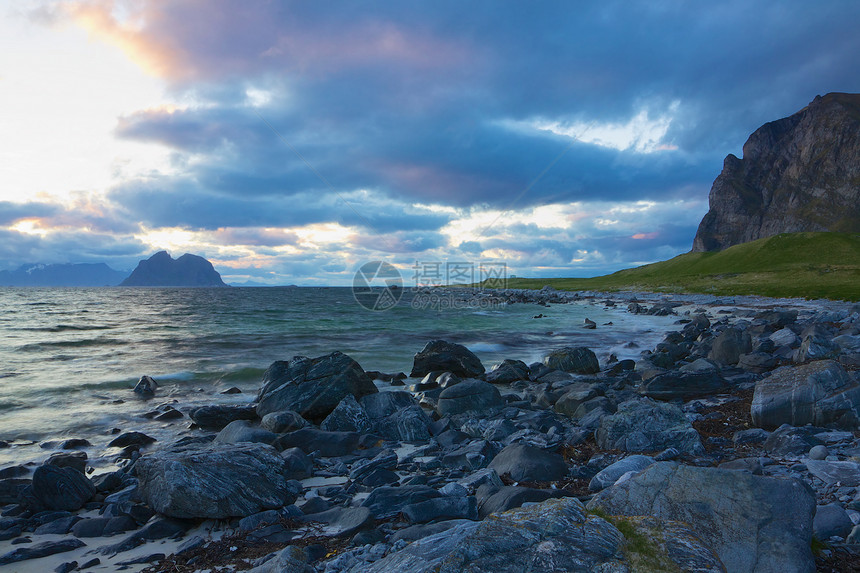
point(804, 265)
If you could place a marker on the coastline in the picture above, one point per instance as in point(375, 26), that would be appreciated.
point(520, 399)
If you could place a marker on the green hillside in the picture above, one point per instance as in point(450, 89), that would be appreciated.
point(803, 265)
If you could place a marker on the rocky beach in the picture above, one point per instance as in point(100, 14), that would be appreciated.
point(731, 445)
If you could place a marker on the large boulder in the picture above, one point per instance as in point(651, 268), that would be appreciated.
point(63, 489)
point(328, 444)
point(729, 345)
point(643, 425)
point(242, 431)
point(612, 473)
point(821, 393)
point(677, 385)
point(468, 396)
point(313, 387)
point(578, 360)
point(754, 523)
point(522, 462)
point(556, 535)
point(216, 417)
point(508, 371)
point(348, 416)
point(446, 356)
point(214, 482)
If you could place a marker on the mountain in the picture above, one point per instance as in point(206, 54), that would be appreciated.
point(798, 174)
point(67, 275)
point(161, 270)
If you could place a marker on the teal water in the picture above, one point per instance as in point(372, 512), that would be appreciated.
point(70, 356)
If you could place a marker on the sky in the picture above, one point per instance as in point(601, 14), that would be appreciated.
point(293, 142)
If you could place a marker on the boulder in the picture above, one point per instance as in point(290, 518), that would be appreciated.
point(574, 396)
point(146, 387)
point(785, 337)
point(790, 441)
point(59, 488)
point(729, 345)
point(383, 404)
point(282, 422)
point(38, 550)
point(522, 462)
point(441, 508)
point(556, 535)
point(328, 444)
point(313, 387)
point(493, 499)
point(675, 385)
point(754, 523)
point(386, 502)
point(468, 396)
point(214, 482)
point(831, 520)
point(846, 473)
point(242, 431)
point(610, 474)
point(578, 360)
point(216, 417)
point(348, 416)
point(446, 356)
point(820, 393)
point(508, 371)
point(297, 464)
point(643, 425)
point(410, 424)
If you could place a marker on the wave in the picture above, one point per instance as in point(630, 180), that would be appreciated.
point(65, 328)
point(39, 346)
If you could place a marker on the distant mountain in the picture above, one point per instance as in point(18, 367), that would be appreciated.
point(60, 275)
point(161, 270)
point(798, 174)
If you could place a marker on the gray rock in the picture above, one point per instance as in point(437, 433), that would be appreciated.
point(579, 360)
point(816, 347)
point(845, 472)
point(610, 474)
point(729, 345)
point(146, 387)
point(409, 424)
point(646, 426)
point(522, 462)
point(420, 531)
point(831, 520)
point(126, 439)
point(61, 488)
point(241, 431)
point(483, 476)
point(386, 502)
point(74, 460)
point(754, 523)
point(386, 459)
point(758, 362)
point(493, 500)
point(751, 436)
point(751, 465)
point(441, 508)
point(819, 393)
point(384, 404)
point(216, 417)
point(574, 396)
point(293, 559)
point(297, 464)
point(328, 444)
point(283, 421)
point(677, 385)
point(790, 441)
point(38, 550)
point(508, 371)
point(313, 387)
point(214, 482)
point(469, 396)
point(557, 535)
point(343, 522)
point(348, 416)
point(446, 356)
point(818, 453)
point(59, 526)
point(784, 337)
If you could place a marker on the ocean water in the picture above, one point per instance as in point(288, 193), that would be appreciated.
point(69, 357)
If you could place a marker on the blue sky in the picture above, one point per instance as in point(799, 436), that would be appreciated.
point(292, 142)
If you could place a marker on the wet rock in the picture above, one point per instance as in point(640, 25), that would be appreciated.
point(644, 425)
point(217, 417)
point(214, 482)
point(136, 439)
point(446, 356)
point(527, 463)
point(754, 523)
point(61, 488)
point(283, 421)
point(74, 460)
point(508, 371)
point(348, 416)
point(313, 387)
point(578, 360)
point(820, 393)
point(240, 431)
point(146, 387)
point(469, 396)
point(384, 404)
point(574, 396)
point(328, 444)
point(409, 424)
point(385, 459)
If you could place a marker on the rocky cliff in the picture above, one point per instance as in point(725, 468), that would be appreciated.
point(64, 275)
point(800, 173)
point(161, 270)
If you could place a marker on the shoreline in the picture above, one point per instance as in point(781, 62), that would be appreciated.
point(522, 398)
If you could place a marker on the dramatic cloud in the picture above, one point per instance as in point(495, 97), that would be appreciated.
point(297, 140)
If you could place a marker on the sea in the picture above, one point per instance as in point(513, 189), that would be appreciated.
point(69, 357)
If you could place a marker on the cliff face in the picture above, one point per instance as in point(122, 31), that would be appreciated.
point(800, 173)
point(161, 270)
